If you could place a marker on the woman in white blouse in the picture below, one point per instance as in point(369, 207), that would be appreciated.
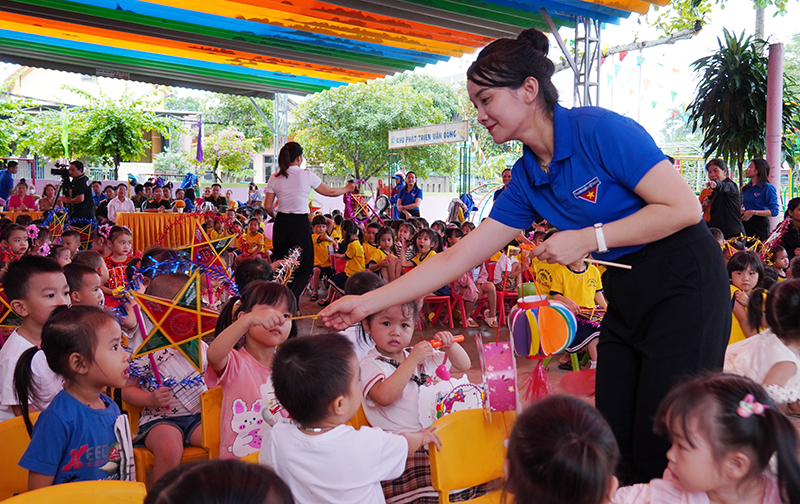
point(291, 185)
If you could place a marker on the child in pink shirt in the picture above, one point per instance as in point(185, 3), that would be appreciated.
point(243, 371)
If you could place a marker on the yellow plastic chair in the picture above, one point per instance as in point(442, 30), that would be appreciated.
point(251, 458)
point(211, 412)
point(144, 458)
point(359, 419)
point(472, 453)
point(81, 492)
point(14, 439)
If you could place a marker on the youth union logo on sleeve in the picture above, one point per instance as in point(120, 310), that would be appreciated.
point(588, 191)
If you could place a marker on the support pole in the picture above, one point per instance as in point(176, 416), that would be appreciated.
point(775, 119)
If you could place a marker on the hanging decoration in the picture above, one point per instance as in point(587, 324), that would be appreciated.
point(285, 272)
point(179, 322)
point(357, 207)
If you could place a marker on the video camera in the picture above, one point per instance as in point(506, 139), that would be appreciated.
point(61, 170)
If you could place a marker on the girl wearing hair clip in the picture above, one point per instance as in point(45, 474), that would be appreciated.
point(725, 430)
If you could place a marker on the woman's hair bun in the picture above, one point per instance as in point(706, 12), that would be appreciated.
point(536, 39)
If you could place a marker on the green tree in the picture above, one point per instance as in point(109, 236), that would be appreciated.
point(347, 128)
point(13, 120)
point(174, 160)
point(490, 158)
point(791, 61)
point(676, 127)
point(42, 134)
point(230, 153)
point(730, 108)
point(115, 127)
point(222, 110)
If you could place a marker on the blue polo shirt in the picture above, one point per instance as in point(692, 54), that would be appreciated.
point(6, 184)
point(761, 196)
point(598, 160)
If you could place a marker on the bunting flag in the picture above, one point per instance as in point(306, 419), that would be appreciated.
point(639, 60)
point(178, 323)
point(622, 55)
point(200, 141)
point(617, 68)
point(646, 83)
point(674, 94)
point(609, 80)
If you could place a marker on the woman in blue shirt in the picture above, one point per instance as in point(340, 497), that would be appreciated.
point(759, 200)
point(600, 179)
point(410, 197)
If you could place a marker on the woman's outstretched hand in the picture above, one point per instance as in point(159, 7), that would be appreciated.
point(344, 312)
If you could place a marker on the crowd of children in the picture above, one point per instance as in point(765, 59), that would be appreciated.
point(288, 398)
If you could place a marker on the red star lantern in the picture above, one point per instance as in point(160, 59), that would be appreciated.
point(86, 235)
point(179, 323)
point(57, 225)
point(8, 317)
point(206, 251)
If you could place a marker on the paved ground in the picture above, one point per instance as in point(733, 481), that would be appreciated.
point(524, 366)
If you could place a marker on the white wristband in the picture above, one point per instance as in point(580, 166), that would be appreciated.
point(602, 248)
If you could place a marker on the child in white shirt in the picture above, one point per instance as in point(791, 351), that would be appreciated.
point(316, 379)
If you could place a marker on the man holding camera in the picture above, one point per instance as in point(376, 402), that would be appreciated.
point(78, 193)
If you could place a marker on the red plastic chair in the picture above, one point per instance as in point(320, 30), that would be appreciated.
point(503, 297)
point(439, 304)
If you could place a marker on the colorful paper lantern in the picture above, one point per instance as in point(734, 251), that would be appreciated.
point(499, 370)
point(179, 323)
point(541, 327)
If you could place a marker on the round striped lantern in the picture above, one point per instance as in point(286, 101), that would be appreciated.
point(540, 327)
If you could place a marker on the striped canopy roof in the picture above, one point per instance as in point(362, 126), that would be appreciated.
point(259, 47)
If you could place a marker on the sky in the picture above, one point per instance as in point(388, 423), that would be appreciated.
point(666, 78)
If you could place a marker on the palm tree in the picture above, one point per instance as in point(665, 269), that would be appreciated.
point(730, 108)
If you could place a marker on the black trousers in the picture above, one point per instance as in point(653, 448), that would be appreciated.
point(757, 226)
point(669, 316)
point(294, 230)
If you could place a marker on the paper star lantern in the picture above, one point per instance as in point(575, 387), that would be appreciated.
point(206, 251)
point(57, 225)
point(86, 235)
point(8, 318)
point(179, 323)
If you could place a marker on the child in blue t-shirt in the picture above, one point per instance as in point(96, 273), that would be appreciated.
point(81, 436)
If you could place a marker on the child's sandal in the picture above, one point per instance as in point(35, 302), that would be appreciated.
point(491, 321)
point(471, 323)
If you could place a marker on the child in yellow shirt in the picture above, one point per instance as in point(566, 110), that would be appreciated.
point(579, 287)
point(354, 254)
point(322, 258)
point(254, 237)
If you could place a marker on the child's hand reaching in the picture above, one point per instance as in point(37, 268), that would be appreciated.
point(160, 397)
point(269, 318)
point(421, 351)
